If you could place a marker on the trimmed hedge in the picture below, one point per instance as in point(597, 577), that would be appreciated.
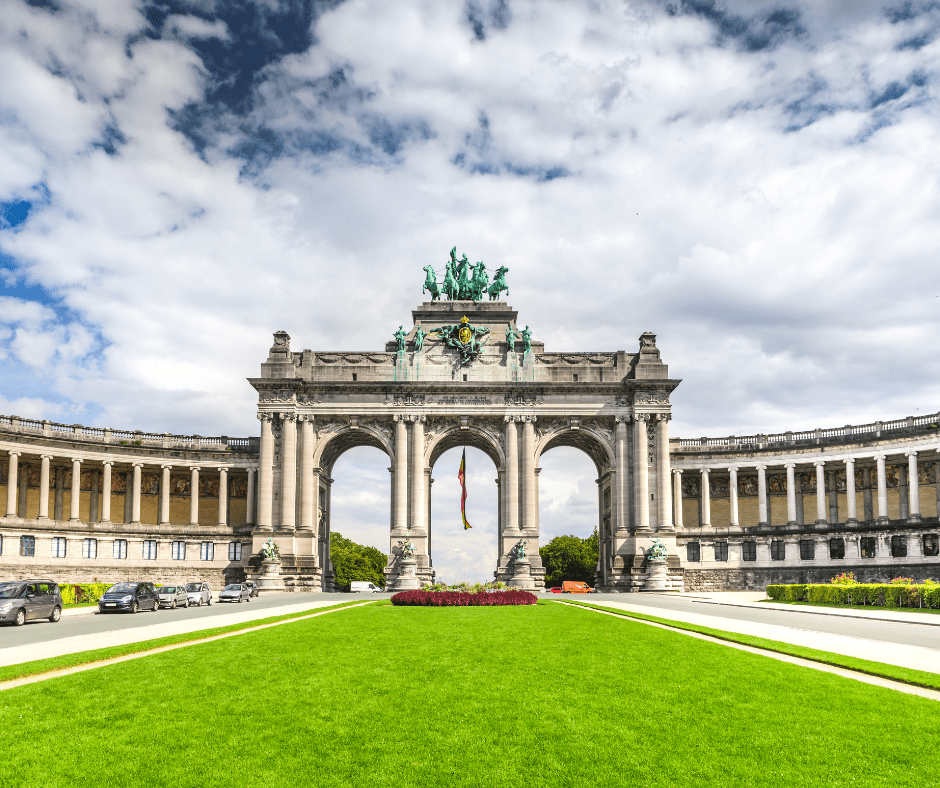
point(872, 594)
point(463, 599)
point(79, 593)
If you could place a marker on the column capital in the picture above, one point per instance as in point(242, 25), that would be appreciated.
point(528, 419)
point(223, 469)
point(677, 471)
point(512, 419)
point(879, 457)
point(287, 416)
point(194, 468)
point(732, 469)
point(77, 459)
point(848, 460)
point(138, 464)
point(402, 417)
point(761, 467)
point(166, 467)
point(664, 417)
point(911, 453)
point(627, 418)
point(18, 453)
point(107, 462)
point(789, 465)
point(705, 471)
point(415, 418)
point(265, 416)
point(47, 456)
point(819, 463)
point(642, 416)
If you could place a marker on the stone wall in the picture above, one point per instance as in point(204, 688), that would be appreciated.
point(216, 578)
point(757, 579)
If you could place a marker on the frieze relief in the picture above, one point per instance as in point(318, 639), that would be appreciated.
point(276, 395)
point(323, 428)
point(575, 358)
point(690, 487)
point(600, 429)
point(523, 399)
point(892, 476)
point(356, 358)
point(651, 398)
point(747, 486)
point(925, 472)
point(238, 487)
point(277, 431)
point(150, 484)
point(547, 425)
point(651, 440)
point(86, 479)
point(491, 428)
point(383, 428)
point(434, 427)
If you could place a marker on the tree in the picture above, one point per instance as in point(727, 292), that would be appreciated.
point(569, 558)
point(353, 561)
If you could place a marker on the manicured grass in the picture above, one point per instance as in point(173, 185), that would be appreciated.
point(39, 666)
point(871, 608)
point(919, 678)
point(542, 695)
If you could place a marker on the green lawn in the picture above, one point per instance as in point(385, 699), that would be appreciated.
point(544, 695)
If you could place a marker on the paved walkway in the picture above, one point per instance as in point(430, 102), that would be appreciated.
point(877, 651)
point(119, 637)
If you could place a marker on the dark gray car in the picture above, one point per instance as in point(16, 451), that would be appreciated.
point(30, 600)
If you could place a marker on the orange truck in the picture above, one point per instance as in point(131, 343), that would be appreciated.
point(575, 587)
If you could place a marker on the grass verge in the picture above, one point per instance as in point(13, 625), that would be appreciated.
point(870, 608)
point(509, 696)
point(918, 678)
point(39, 666)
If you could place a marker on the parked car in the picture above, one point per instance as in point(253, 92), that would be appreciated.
point(236, 592)
point(253, 587)
point(130, 597)
point(199, 594)
point(362, 587)
point(576, 587)
point(555, 590)
point(172, 596)
point(29, 600)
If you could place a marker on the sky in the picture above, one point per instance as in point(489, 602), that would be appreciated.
point(755, 182)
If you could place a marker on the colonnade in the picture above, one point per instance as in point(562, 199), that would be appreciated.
point(105, 466)
point(826, 510)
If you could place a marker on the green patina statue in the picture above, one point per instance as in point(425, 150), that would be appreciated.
point(499, 283)
point(400, 338)
point(430, 283)
point(466, 339)
point(460, 285)
point(270, 552)
point(511, 336)
point(420, 334)
point(526, 342)
point(517, 553)
point(658, 551)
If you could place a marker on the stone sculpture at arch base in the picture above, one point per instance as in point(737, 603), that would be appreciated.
point(465, 373)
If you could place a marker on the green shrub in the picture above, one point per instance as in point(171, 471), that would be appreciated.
point(776, 591)
point(82, 593)
point(796, 592)
point(931, 595)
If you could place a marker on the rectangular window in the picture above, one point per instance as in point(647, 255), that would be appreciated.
point(931, 544)
point(836, 549)
point(807, 549)
point(119, 548)
point(234, 551)
point(149, 550)
point(89, 548)
point(207, 551)
point(693, 552)
point(721, 551)
point(898, 546)
point(777, 550)
point(867, 546)
point(749, 551)
point(58, 547)
point(178, 551)
point(28, 546)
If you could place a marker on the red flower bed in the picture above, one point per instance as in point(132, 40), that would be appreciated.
point(463, 598)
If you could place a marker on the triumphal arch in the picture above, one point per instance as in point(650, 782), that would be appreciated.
point(466, 373)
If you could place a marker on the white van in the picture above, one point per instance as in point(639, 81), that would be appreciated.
point(362, 587)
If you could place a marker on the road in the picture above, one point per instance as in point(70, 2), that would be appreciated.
point(902, 634)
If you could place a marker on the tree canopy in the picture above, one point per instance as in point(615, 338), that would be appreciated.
point(353, 561)
point(569, 558)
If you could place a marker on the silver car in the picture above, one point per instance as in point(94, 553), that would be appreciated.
point(29, 600)
point(235, 592)
point(171, 596)
point(199, 594)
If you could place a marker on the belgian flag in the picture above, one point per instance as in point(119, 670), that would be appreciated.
point(461, 474)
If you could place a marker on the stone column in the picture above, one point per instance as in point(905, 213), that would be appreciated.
point(11, 483)
point(135, 501)
point(530, 503)
point(58, 483)
point(791, 493)
point(762, 495)
point(307, 480)
point(223, 496)
point(820, 492)
point(288, 471)
point(250, 518)
point(705, 494)
point(913, 480)
point(512, 476)
point(641, 473)
point(44, 487)
point(833, 495)
point(400, 476)
point(621, 496)
point(194, 497)
point(419, 493)
point(165, 494)
point(882, 489)
point(266, 474)
point(733, 495)
point(903, 494)
point(664, 474)
point(677, 496)
point(852, 513)
point(106, 491)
